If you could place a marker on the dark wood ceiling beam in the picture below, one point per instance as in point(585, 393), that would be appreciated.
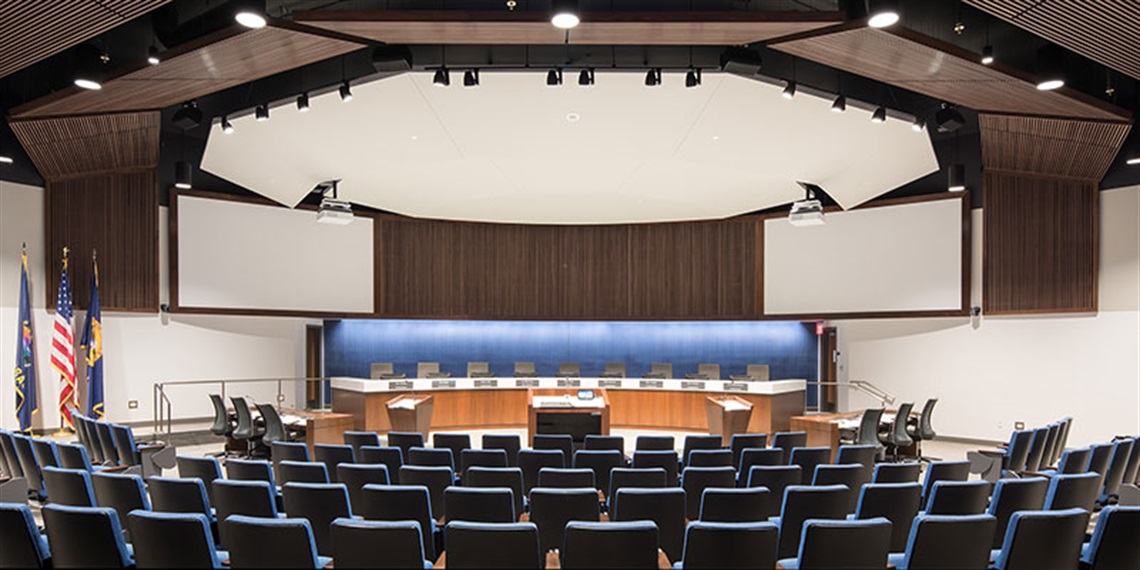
point(1040, 146)
point(65, 147)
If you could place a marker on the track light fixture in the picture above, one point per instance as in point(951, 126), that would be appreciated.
point(302, 102)
point(261, 113)
point(1133, 160)
point(586, 77)
point(987, 55)
point(227, 126)
point(653, 77)
point(152, 56)
point(564, 14)
point(693, 77)
point(442, 77)
point(880, 115)
point(883, 13)
point(89, 72)
point(554, 77)
point(251, 13)
point(182, 175)
point(5, 159)
point(957, 178)
point(471, 78)
point(789, 90)
point(345, 92)
point(839, 105)
point(1050, 68)
point(918, 125)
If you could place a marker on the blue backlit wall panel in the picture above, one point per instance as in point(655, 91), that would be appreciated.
point(790, 348)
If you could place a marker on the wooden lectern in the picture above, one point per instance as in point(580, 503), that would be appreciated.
point(410, 413)
point(728, 415)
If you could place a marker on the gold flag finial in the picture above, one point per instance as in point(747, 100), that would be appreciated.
point(66, 250)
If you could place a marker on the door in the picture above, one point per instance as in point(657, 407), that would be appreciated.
point(828, 359)
point(313, 367)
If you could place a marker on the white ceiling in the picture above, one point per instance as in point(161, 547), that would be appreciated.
point(508, 151)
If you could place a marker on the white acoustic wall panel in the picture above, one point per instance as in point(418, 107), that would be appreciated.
point(882, 259)
point(236, 255)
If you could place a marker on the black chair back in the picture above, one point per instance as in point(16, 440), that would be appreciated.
point(610, 545)
point(74, 456)
point(897, 436)
point(250, 470)
point(789, 440)
point(481, 458)
point(479, 504)
point(244, 428)
point(938, 541)
point(552, 509)
point(1113, 543)
point(776, 478)
point(554, 478)
point(808, 458)
point(604, 442)
point(1114, 475)
point(10, 456)
point(21, 544)
point(121, 492)
point(358, 439)
point(509, 443)
point(698, 442)
point(862, 454)
point(1036, 449)
point(391, 457)
point(250, 498)
point(711, 458)
point(302, 472)
point(332, 455)
point(492, 545)
point(655, 443)
point(742, 441)
point(531, 461)
point(85, 537)
point(401, 503)
point(712, 545)
point(356, 475)
point(1039, 539)
point(665, 459)
point(1067, 491)
point(70, 487)
point(172, 540)
point(436, 479)
point(456, 442)
point(750, 457)
point(850, 475)
point(665, 507)
point(28, 463)
point(944, 471)
point(45, 452)
point(869, 427)
point(958, 498)
point(654, 477)
point(405, 440)
point(694, 480)
point(845, 544)
point(1017, 453)
point(207, 469)
point(802, 503)
point(509, 477)
point(747, 504)
point(321, 504)
point(274, 427)
point(431, 457)
point(291, 540)
point(1012, 495)
point(107, 443)
point(181, 495)
point(925, 429)
point(601, 462)
point(221, 425)
point(897, 472)
point(561, 442)
point(356, 542)
point(897, 502)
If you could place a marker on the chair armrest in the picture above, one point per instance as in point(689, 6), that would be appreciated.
point(992, 452)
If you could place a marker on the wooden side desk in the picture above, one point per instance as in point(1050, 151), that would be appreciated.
point(822, 429)
point(532, 411)
point(321, 427)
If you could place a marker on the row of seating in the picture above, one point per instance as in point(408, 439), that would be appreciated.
point(900, 434)
point(705, 371)
point(94, 537)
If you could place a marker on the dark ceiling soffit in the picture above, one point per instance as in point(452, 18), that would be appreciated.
point(520, 17)
point(960, 53)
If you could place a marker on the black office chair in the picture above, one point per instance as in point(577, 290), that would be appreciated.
point(869, 430)
point(897, 438)
point(246, 431)
point(509, 443)
point(222, 426)
point(665, 507)
point(274, 428)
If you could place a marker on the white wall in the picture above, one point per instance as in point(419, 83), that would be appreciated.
point(139, 350)
point(994, 371)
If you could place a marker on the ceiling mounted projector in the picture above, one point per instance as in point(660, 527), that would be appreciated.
point(332, 210)
point(806, 212)
point(949, 118)
point(188, 117)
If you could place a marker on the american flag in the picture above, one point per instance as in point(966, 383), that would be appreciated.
point(63, 348)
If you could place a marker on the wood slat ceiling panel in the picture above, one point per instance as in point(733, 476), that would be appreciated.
point(620, 28)
point(1055, 147)
point(37, 29)
point(218, 61)
point(69, 146)
point(922, 64)
point(1070, 23)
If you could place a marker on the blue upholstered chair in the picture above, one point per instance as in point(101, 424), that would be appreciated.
point(945, 541)
point(1113, 543)
point(842, 544)
point(664, 506)
point(492, 545)
point(357, 544)
point(694, 480)
point(259, 542)
point(551, 509)
point(610, 545)
point(897, 502)
point(803, 502)
point(320, 504)
point(1040, 539)
point(21, 544)
point(744, 504)
point(86, 537)
point(69, 487)
point(402, 503)
point(174, 540)
point(1012, 495)
point(715, 545)
point(1075, 490)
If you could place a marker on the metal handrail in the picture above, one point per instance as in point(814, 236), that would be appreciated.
point(164, 408)
point(864, 386)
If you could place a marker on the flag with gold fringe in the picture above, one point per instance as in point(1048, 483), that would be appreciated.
point(92, 346)
point(27, 404)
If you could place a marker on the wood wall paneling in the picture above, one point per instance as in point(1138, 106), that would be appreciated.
point(920, 63)
point(1045, 146)
point(117, 215)
point(652, 271)
point(605, 28)
point(37, 29)
point(1040, 246)
point(1068, 23)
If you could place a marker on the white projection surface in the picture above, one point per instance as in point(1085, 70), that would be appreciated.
point(882, 259)
point(246, 256)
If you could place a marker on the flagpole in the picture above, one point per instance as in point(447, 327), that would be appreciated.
point(64, 429)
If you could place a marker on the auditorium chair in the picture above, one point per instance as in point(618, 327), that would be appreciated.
point(205, 468)
point(944, 471)
point(601, 462)
point(492, 545)
point(694, 480)
point(532, 461)
point(828, 544)
point(174, 540)
point(74, 456)
point(896, 472)
point(561, 442)
point(1114, 474)
point(552, 509)
point(390, 457)
point(474, 504)
point(356, 475)
point(31, 467)
point(291, 539)
point(510, 443)
point(1113, 543)
point(179, 495)
point(1012, 495)
point(748, 504)
point(71, 487)
point(121, 492)
point(456, 442)
point(655, 443)
point(332, 455)
point(357, 542)
point(609, 545)
point(958, 498)
point(803, 502)
point(554, 478)
point(287, 451)
point(86, 537)
point(402, 503)
point(711, 458)
point(431, 457)
point(250, 470)
point(302, 472)
point(1036, 449)
point(1073, 461)
point(808, 458)
point(789, 440)
point(775, 478)
point(742, 441)
point(21, 544)
point(665, 459)
point(45, 452)
point(738, 546)
point(937, 542)
point(251, 498)
point(107, 442)
point(698, 442)
point(1041, 539)
point(481, 458)
point(1074, 490)
point(773, 457)
point(320, 504)
point(849, 475)
point(358, 439)
point(405, 440)
point(605, 442)
point(435, 479)
point(508, 477)
point(897, 502)
point(665, 507)
point(626, 477)
point(861, 454)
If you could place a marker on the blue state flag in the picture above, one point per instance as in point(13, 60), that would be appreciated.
point(92, 346)
point(27, 404)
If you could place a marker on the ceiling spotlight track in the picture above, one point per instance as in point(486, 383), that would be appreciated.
point(471, 78)
point(554, 77)
point(840, 104)
point(442, 77)
point(227, 126)
point(880, 115)
point(261, 113)
point(586, 77)
point(789, 90)
point(303, 102)
point(345, 92)
point(653, 77)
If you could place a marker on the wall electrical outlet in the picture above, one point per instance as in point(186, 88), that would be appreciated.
point(1018, 425)
point(132, 404)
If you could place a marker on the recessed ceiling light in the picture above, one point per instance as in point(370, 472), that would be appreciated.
point(1135, 160)
point(565, 14)
point(1050, 68)
point(987, 55)
point(573, 117)
point(152, 56)
point(5, 159)
point(883, 13)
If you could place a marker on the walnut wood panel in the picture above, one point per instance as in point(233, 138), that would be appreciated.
point(71, 146)
point(658, 409)
point(606, 28)
point(218, 61)
point(1057, 147)
point(1069, 23)
point(1040, 246)
point(925, 65)
point(37, 29)
point(654, 271)
point(115, 214)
